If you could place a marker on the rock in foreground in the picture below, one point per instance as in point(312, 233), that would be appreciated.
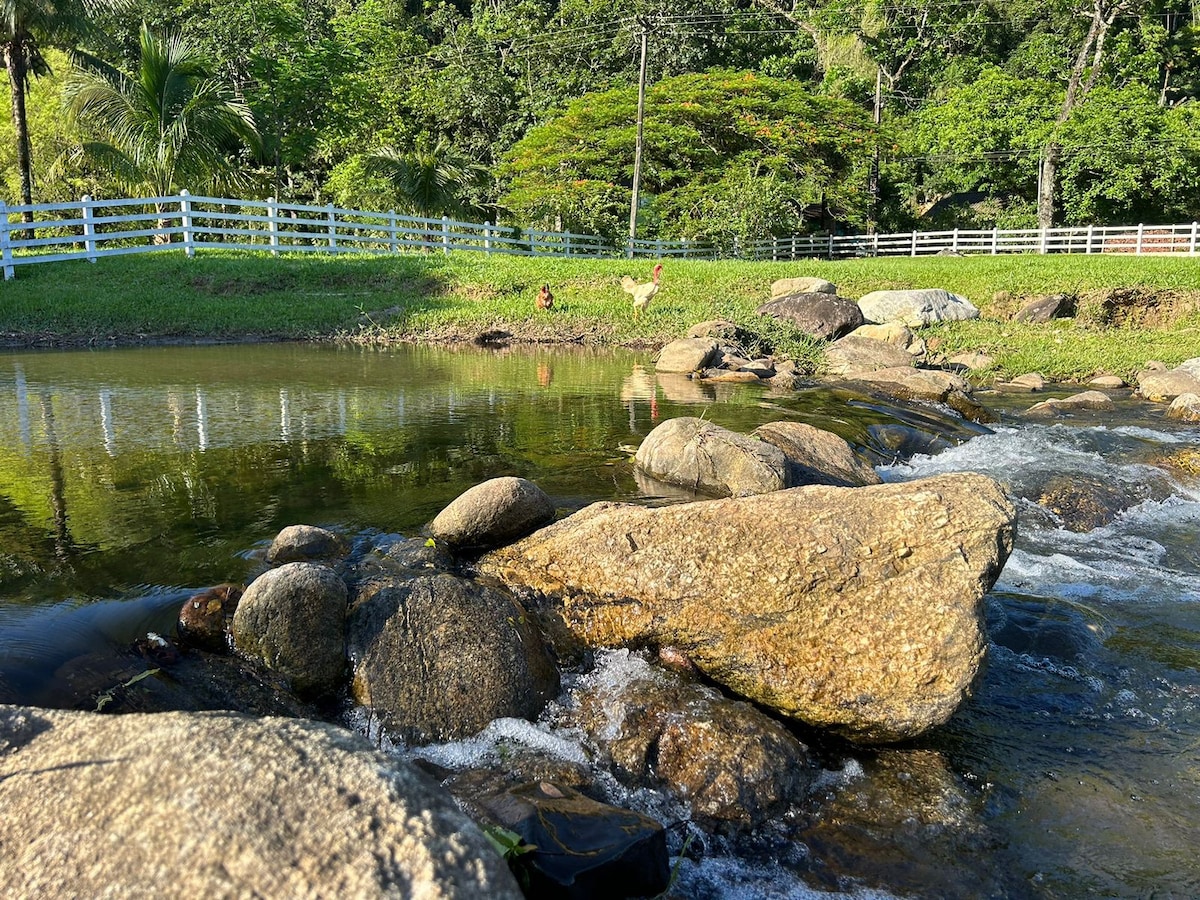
point(220, 805)
point(853, 609)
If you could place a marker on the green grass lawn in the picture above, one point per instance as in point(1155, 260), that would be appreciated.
point(222, 295)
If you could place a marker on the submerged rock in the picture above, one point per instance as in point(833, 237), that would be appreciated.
point(707, 458)
point(1084, 400)
point(438, 657)
point(299, 543)
point(222, 805)
point(853, 609)
point(493, 513)
point(1081, 502)
point(292, 620)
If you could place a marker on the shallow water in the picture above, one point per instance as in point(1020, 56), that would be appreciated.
point(130, 478)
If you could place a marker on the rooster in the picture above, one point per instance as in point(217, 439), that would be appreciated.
point(545, 299)
point(642, 293)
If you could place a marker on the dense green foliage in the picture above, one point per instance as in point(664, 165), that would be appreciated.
point(758, 112)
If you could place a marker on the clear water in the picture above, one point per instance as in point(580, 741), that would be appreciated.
point(130, 478)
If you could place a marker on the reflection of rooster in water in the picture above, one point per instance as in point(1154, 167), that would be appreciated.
point(639, 385)
point(642, 293)
point(545, 299)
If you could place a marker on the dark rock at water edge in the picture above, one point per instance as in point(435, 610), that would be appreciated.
point(823, 316)
point(439, 657)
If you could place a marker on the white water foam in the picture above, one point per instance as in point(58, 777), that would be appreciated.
point(726, 878)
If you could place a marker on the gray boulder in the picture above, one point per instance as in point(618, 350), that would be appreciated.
point(824, 316)
point(816, 456)
point(852, 355)
point(493, 513)
point(1043, 309)
point(438, 657)
point(292, 620)
point(300, 543)
point(222, 805)
point(1154, 384)
point(709, 459)
point(806, 285)
point(1185, 407)
point(687, 355)
point(854, 609)
point(916, 307)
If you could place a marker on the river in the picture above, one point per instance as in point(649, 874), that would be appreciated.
point(131, 478)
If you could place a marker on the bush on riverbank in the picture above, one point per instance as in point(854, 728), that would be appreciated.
point(231, 296)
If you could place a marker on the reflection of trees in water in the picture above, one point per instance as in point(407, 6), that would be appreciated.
point(58, 493)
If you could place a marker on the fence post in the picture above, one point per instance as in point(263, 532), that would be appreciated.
point(393, 245)
point(487, 237)
point(89, 228)
point(273, 225)
point(5, 245)
point(737, 247)
point(1090, 233)
point(185, 222)
point(954, 241)
point(831, 245)
point(1195, 231)
point(995, 240)
point(1141, 232)
point(1042, 243)
point(567, 245)
point(332, 227)
point(914, 244)
point(446, 235)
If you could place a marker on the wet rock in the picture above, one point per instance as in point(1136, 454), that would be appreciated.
point(658, 729)
point(438, 657)
point(687, 355)
point(1185, 407)
point(707, 458)
point(1043, 309)
point(205, 617)
point(1030, 381)
point(1085, 400)
point(896, 441)
point(222, 805)
point(816, 456)
point(763, 368)
point(292, 620)
point(851, 356)
point(493, 513)
point(1167, 385)
point(854, 609)
point(804, 285)
point(1081, 502)
point(723, 376)
point(584, 849)
point(301, 543)
point(1185, 462)
point(908, 383)
point(1107, 382)
point(916, 307)
point(823, 316)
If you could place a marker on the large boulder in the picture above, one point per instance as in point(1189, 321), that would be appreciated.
point(816, 456)
point(221, 805)
point(493, 513)
point(1154, 384)
point(656, 729)
point(824, 316)
point(916, 307)
point(687, 355)
point(438, 657)
point(292, 620)
point(853, 609)
point(853, 355)
point(804, 285)
point(707, 458)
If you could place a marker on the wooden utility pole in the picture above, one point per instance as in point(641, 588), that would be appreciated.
point(637, 150)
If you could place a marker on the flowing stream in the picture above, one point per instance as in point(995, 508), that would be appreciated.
point(131, 478)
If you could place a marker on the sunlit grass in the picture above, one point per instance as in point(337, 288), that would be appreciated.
point(221, 295)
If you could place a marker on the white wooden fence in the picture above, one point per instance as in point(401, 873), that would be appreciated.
point(91, 229)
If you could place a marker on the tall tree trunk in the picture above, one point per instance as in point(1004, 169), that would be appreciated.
point(18, 76)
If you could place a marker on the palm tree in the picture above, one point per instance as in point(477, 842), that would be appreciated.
point(432, 179)
point(26, 27)
point(170, 124)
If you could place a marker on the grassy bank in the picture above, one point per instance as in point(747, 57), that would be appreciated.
point(225, 296)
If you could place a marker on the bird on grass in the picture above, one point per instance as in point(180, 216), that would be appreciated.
point(642, 293)
point(545, 299)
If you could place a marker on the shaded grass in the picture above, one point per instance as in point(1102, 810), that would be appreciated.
point(226, 295)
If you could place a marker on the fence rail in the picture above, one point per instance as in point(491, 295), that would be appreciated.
point(91, 229)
